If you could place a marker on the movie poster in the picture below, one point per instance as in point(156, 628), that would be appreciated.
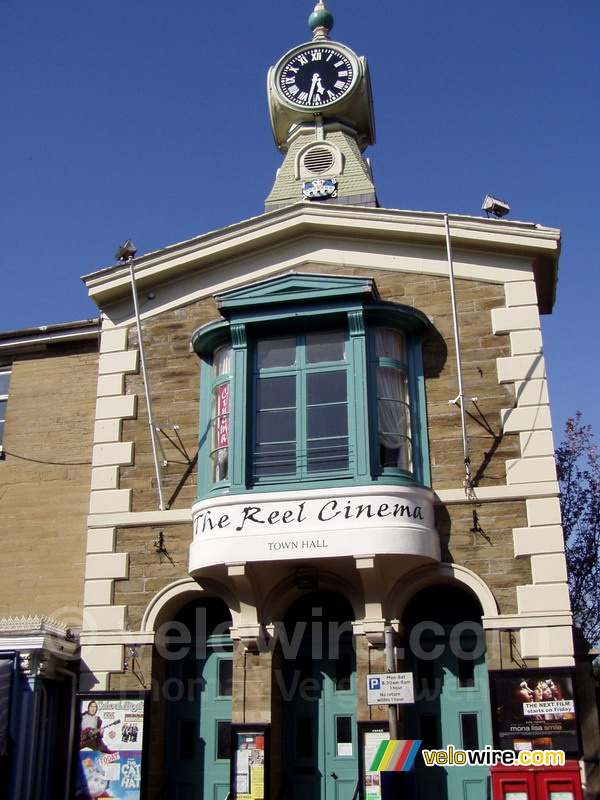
point(111, 732)
point(534, 709)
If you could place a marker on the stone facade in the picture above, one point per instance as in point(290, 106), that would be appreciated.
point(499, 537)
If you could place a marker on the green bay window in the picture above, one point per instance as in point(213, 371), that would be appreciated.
point(310, 381)
point(301, 405)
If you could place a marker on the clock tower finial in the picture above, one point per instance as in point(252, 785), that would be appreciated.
point(320, 22)
point(321, 110)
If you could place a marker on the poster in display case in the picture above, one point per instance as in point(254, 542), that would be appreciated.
point(371, 734)
point(249, 762)
point(111, 743)
point(535, 709)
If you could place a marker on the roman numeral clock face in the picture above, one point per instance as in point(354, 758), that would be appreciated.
point(316, 76)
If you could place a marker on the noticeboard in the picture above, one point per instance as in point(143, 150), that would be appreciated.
point(249, 762)
point(371, 735)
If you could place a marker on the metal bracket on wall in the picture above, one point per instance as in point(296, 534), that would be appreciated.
point(176, 441)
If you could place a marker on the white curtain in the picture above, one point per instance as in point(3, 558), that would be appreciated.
point(393, 421)
point(222, 361)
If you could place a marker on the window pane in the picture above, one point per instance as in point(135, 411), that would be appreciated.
point(327, 421)
point(222, 361)
point(393, 419)
point(390, 344)
point(225, 677)
point(4, 381)
point(326, 387)
point(327, 346)
point(276, 352)
point(223, 739)
point(275, 426)
point(398, 457)
point(470, 737)
point(275, 459)
point(220, 432)
point(328, 455)
point(391, 384)
point(221, 415)
point(343, 732)
point(2, 409)
point(276, 392)
point(466, 673)
point(219, 465)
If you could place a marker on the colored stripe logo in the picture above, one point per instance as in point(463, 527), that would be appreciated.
point(395, 755)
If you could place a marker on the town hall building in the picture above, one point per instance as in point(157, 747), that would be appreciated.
point(292, 454)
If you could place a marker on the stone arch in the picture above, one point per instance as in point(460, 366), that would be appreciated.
point(452, 574)
point(169, 600)
point(286, 593)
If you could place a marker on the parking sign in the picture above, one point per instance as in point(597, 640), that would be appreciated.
point(392, 688)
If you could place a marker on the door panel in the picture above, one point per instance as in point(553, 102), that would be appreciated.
point(198, 724)
point(452, 707)
point(319, 742)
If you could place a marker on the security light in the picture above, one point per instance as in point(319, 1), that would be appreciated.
point(497, 208)
point(306, 579)
point(126, 251)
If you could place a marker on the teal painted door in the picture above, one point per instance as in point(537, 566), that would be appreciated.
point(319, 729)
point(198, 703)
point(452, 708)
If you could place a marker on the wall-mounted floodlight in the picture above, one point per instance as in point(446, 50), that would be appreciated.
point(306, 579)
point(497, 208)
point(126, 251)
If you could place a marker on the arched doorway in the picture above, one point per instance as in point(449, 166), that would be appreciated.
point(445, 649)
point(197, 694)
point(318, 687)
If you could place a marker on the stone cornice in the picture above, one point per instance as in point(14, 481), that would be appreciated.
point(352, 223)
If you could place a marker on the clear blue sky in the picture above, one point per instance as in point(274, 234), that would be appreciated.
point(147, 119)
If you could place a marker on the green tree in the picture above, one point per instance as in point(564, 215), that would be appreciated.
point(578, 467)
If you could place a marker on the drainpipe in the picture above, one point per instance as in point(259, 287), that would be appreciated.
point(460, 398)
point(153, 435)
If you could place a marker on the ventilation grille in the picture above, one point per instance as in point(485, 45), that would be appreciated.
point(318, 160)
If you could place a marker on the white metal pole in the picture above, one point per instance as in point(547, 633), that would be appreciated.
point(390, 666)
point(161, 502)
point(461, 392)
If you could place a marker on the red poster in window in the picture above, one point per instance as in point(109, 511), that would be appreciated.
point(223, 416)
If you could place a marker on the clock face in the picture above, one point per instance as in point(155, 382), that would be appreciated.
point(316, 76)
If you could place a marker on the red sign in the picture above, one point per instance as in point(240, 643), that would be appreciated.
point(223, 415)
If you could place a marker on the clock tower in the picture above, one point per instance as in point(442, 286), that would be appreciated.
point(321, 110)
